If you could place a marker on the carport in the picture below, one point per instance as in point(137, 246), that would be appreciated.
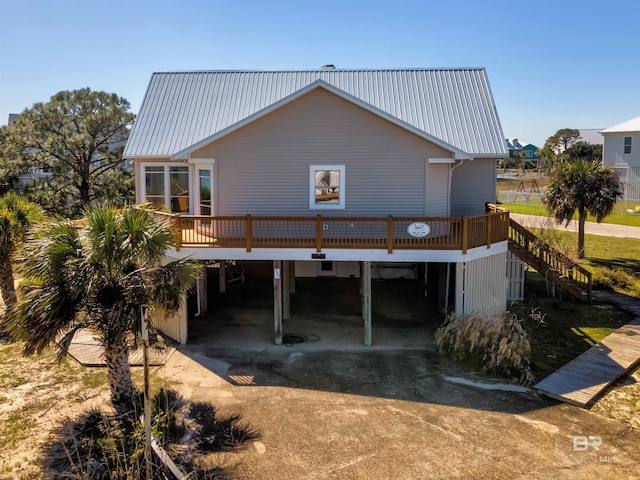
point(344, 311)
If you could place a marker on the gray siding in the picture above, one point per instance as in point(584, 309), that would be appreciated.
point(263, 168)
point(472, 185)
point(437, 190)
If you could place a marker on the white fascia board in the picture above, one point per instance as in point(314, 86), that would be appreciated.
point(183, 154)
point(441, 160)
point(338, 254)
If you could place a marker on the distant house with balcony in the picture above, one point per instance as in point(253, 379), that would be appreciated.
point(622, 151)
point(329, 172)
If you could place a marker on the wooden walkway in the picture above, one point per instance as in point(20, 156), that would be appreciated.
point(580, 381)
point(87, 350)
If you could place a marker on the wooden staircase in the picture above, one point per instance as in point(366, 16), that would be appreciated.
point(559, 269)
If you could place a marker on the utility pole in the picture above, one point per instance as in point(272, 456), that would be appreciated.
point(147, 407)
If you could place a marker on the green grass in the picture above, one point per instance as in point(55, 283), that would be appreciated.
point(570, 328)
point(615, 218)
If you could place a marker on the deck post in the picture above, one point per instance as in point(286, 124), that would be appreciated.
point(465, 234)
point(318, 233)
point(292, 276)
point(202, 285)
point(390, 234)
point(366, 301)
point(286, 292)
point(460, 271)
point(277, 301)
point(223, 276)
point(248, 232)
point(178, 227)
point(488, 230)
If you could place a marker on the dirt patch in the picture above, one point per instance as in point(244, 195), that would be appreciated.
point(38, 394)
point(622, 400)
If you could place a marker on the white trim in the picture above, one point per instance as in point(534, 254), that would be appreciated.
point(312, 188)
point(193, 160)
point(441, 160)
point(339, 254)
point(184, 153)
point(167, 184)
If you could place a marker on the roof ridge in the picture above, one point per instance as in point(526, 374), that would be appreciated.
point(403, 69)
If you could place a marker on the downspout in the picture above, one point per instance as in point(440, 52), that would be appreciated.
point(451, 169)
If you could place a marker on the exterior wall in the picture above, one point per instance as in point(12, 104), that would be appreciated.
point(627, 165)
point(481, 286)
point(309, 269)
point(472, 185)
point(614, 148)
point(515, 274)
point(174, 326)
point(437, 192)
point(263, 168)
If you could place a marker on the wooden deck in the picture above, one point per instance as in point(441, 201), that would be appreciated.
point(88, 351)
point(320, 232)
point(580, 381)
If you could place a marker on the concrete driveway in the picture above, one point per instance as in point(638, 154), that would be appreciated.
point(335, 409)
point(328, 413)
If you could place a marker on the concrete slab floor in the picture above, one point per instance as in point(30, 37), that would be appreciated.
point(338, 410)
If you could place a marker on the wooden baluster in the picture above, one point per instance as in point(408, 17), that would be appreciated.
point(488, 230)
point(390, 234)
point(178, 225)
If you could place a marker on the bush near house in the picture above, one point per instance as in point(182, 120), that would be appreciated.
point(498, 346)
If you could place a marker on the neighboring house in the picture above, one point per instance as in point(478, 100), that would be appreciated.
point(326, 172)
point(591, 135)
point(622, 151)
point(514, 146)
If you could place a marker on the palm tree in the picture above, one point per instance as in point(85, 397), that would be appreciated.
point(17, 217)
point(98, 274)
point(585, 186)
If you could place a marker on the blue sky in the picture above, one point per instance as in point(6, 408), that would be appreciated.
point(551, 64)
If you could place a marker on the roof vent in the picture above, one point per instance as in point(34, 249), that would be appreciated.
point(328, 67)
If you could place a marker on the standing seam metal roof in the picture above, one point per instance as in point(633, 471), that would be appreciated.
point(182, 108)
point(632, 125)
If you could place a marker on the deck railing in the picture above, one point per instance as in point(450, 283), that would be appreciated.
point(320, 232)
point(544, 258)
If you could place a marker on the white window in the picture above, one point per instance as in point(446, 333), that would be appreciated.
point(326, 187)
point(167, 186)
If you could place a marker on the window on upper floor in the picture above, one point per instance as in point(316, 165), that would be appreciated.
point(627, 144)
point(167, 186)
point(326, 187)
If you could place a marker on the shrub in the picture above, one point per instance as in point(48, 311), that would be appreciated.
point(616, 279)
point(111, 446)
point(499, 345)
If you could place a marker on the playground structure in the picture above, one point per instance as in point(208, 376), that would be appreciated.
point(533, 195)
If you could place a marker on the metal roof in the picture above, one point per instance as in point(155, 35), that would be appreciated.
point(632, 125)
point(591, 135)
point(181, 109)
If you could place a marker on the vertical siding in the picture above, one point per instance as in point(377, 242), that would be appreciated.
point(263, 168)
point(515, 274)
point(472, 185)
point(481, 286)
point(174, 326)
point(437, 195)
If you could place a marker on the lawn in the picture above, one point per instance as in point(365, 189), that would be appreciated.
point(615, 218)
point(613, 261)
point(570, 328)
